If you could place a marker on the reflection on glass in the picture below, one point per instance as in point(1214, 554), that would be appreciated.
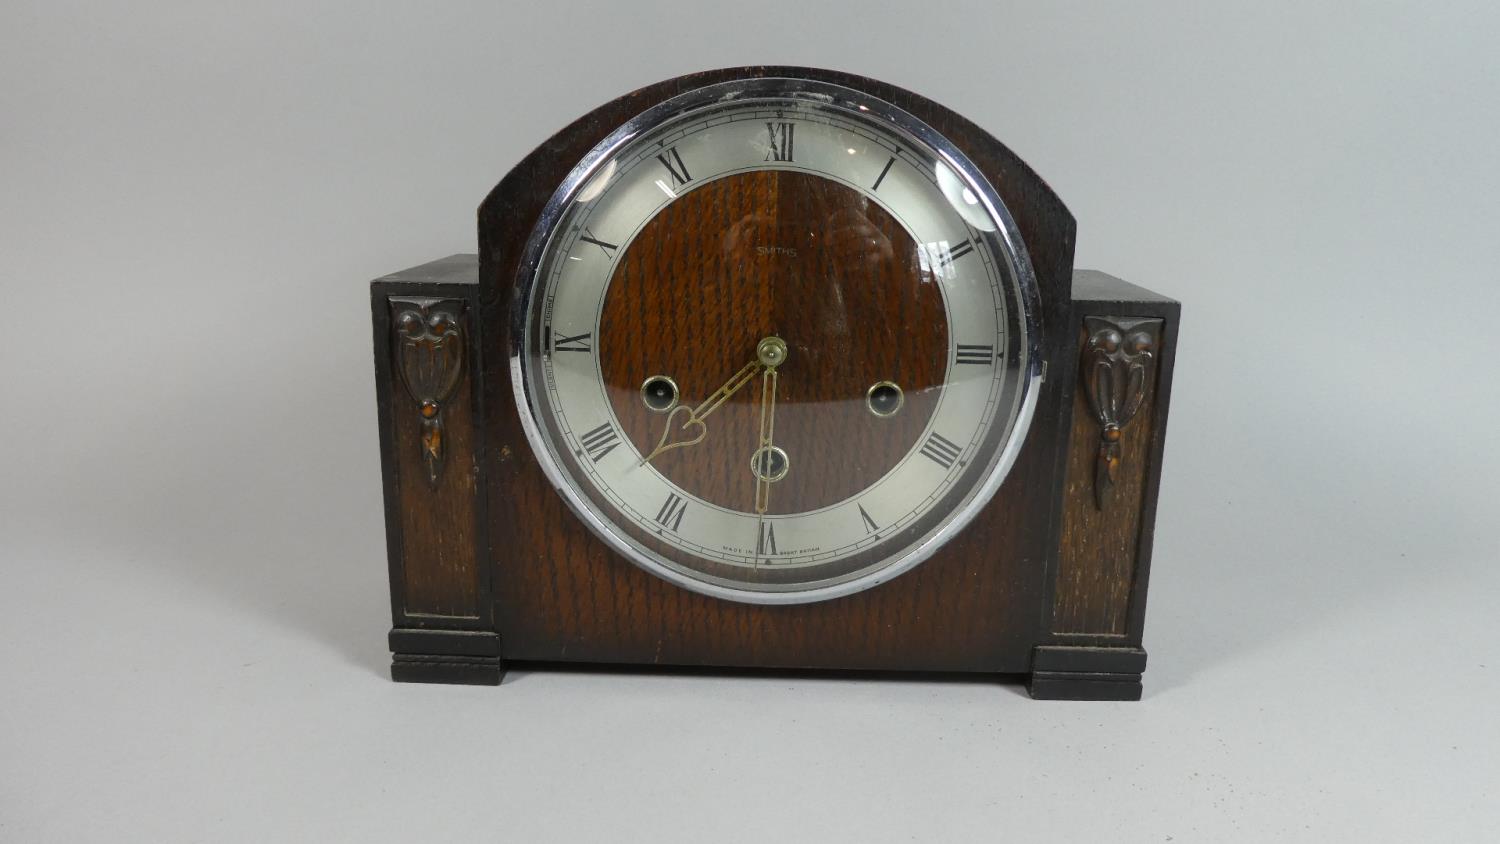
point(596, 185)
point(962, 199)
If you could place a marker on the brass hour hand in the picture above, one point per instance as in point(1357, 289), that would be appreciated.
point(685, 425)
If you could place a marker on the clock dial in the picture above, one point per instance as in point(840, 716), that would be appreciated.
point(776, 345)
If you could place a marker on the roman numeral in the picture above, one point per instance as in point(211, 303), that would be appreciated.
point(780, 141)
point(670, 514)
point(870, 526)
point(884, 170)
point(671, 160)
point(767, 542)
point(579, 343)
point(941, 450)
point(981, 355)
point(938, 257)
point(599, 442)
point(609, 248)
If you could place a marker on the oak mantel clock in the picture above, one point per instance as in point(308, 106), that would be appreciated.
point(772, 367)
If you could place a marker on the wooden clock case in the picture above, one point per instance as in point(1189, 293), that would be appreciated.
point(488, 566)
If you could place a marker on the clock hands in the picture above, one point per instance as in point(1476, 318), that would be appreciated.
point(696, 415)
point(769, 354)
point(768, 463)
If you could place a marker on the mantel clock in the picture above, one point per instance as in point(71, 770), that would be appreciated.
point(778, 368)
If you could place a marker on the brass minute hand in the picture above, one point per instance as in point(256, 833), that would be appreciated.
point(696, 415)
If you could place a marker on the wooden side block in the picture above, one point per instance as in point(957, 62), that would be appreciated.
point(1108, 469)
point(425, 347)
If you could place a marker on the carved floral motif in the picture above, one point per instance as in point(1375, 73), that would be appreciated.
point(1118, 364)
point(429, 349)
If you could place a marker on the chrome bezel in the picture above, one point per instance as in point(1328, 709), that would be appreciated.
point(1006, 242)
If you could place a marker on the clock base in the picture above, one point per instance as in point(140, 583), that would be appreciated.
point(1086, 673)
point(446, 656)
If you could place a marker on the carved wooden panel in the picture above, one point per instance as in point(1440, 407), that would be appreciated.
point(432, 428)
point(1105, 480)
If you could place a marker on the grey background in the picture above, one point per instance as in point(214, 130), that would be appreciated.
point(193, 197)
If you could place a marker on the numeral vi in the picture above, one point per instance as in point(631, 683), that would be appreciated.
point(767, 544)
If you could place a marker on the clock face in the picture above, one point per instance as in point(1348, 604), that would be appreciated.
point(775, 341)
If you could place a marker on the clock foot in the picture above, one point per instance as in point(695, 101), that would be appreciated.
point(446, 656)
point(1086, 673)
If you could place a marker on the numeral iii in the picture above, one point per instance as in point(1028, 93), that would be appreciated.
point(981, 355)
point(941, 450)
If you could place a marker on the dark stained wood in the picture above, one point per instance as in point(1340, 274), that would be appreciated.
point(1097, 549)
point(437, 523)
point(433, 529)
point(1100, 294)
point(446, 656)
point(1063, 685)
point(695, 292)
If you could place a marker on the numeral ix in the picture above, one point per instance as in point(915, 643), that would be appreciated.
point(575, 343)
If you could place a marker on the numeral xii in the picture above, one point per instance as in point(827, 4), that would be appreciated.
point(780, 139)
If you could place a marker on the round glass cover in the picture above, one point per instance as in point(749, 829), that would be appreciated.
point(776, 341)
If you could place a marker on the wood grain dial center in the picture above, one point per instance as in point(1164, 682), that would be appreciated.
point(792, 256)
